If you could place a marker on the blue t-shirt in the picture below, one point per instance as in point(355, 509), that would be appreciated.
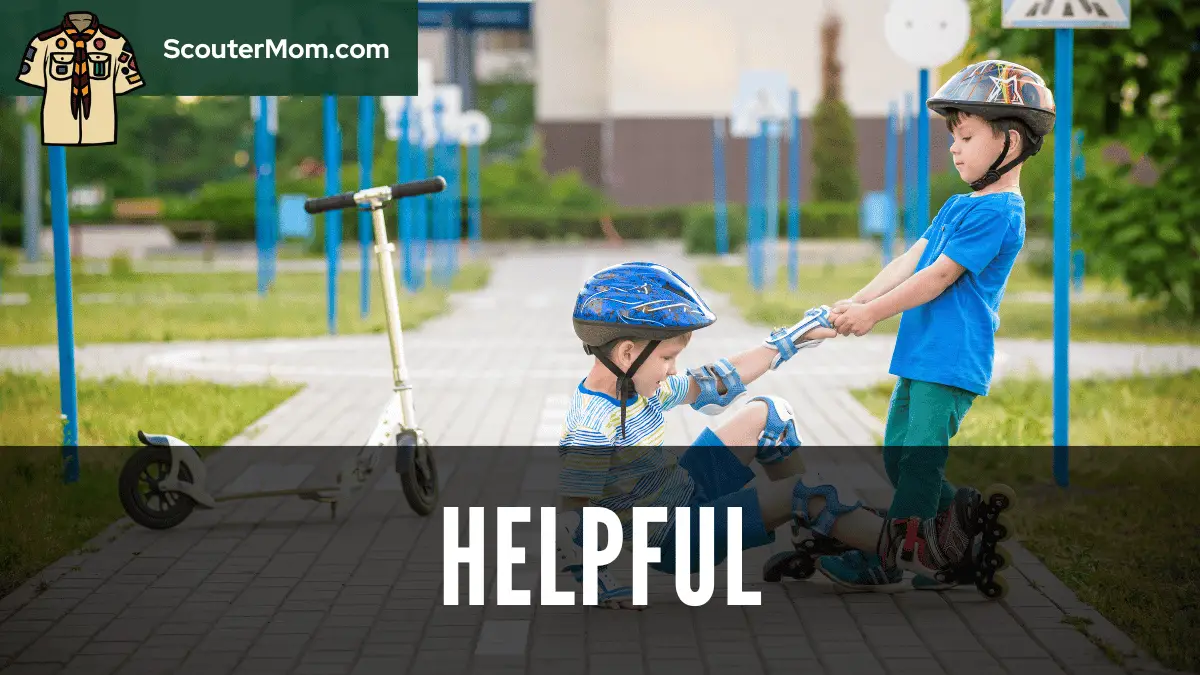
point(951, 339)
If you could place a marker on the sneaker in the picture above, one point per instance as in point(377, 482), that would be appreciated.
point(861, 572)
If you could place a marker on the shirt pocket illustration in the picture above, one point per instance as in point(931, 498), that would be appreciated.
point(101, 66)
point(61, 65)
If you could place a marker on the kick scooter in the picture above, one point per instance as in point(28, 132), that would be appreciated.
point(162, 483)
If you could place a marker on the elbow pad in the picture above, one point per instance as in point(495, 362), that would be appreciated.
point(720, 385)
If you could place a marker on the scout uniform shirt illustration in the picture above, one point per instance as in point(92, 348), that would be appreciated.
point(82, 66)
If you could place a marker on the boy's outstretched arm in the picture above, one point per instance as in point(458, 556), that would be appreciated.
point(918, 289)
point(755, 362)
point(891, 276)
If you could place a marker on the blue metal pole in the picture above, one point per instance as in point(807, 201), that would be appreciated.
point(752, 211)
point(922, 219)
point(794, 195)
point(405, 207)
point(910, 171)
point(420, 205)
point(454, 204)
point(366, 154)
point(771, 240)
point(333, 219)
point(476, 213)
point(261, 168)
point(63, 296)
point(1064, 47)
point(720, 208)
point(439, 199)
point(889, 226)
point(272, 218)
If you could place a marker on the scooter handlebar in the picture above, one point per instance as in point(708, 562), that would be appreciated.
point(345, 200)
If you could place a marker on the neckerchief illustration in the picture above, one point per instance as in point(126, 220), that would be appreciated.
point(81, 93)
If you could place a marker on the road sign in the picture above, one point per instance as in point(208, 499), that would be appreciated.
point(1112, 14)
point(927, 33)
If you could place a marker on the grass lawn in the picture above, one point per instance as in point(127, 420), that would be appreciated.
point(229, 308)
point(41, 519)
point(1097, 321)
point(1122, 536)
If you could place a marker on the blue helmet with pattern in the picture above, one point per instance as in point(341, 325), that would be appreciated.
point(637, 301)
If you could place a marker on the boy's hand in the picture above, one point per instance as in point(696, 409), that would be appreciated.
point(853, 319)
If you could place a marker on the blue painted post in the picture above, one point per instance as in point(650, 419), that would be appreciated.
point(720, 208)
point(1064, 47)
point(366, 155)
point(262, 167)
point(771, 221)
point(922, 215)
point(889, 227)
point(473, 198)
point(454, 204)
point(63, 298)
point(794, 194)
point(404, 208)
point(420, 205)
point(442, 199)
point(333, 219)
point(910, 171)
point(754, 212)
point(271, 192)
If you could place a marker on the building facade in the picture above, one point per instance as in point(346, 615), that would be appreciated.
point(627, 90)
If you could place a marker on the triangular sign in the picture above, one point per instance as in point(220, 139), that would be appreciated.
point(1079, 10)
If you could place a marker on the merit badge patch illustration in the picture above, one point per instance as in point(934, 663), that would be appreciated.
point(82, 66)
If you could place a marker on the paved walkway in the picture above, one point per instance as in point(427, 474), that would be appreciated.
point(269, 586)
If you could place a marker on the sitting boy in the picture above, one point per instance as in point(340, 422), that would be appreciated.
point(635, 319)
point(948, 287)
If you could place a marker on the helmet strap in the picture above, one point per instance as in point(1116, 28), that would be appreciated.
point(993, 173)
point(625, 387)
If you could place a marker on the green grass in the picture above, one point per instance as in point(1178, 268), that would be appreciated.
point(1129, 321)
point(1124, 536)
point(295, 307)
point(41, 519)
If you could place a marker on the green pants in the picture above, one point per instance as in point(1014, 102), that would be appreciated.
point(922, 418)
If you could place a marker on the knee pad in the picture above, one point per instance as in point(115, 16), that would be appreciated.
point(834, 509)
point(711, 379)
point(779, 437)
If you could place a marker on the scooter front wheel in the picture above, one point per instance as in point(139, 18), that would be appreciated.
point(418, 472)
point(143, 500)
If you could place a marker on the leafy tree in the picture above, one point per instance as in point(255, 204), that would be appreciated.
point(836, 179)
point(1139, 88)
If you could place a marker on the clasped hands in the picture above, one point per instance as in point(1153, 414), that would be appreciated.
point(852, 318)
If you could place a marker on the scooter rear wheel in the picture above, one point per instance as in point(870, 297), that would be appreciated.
point(418, 472)
point(141, 497)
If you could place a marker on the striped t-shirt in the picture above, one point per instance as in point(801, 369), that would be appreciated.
point(619, 473)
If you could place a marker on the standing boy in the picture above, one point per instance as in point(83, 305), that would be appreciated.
point(949, 286)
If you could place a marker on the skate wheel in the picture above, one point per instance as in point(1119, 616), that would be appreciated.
point(996, 589)
point(998, 560)
point(1000, 496)
point(788, 564)
point(1002, 529)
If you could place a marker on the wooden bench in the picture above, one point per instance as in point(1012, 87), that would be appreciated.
point(147, 209)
